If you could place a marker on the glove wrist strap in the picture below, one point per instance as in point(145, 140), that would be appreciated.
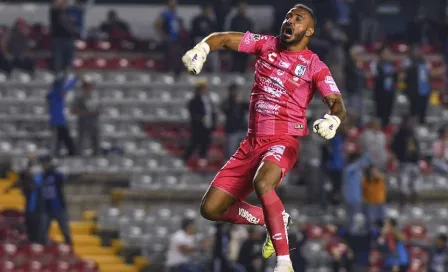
point(204, 47)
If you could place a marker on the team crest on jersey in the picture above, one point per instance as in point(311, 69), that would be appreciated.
point(300, 70)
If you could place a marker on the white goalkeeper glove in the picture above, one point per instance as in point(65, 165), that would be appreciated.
point(194, 59)
point(327, 126)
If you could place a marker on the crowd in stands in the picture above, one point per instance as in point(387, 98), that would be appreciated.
point(356, 161)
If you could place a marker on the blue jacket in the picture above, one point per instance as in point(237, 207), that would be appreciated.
point(336, 152)
point(352, 180)
point(56, 100)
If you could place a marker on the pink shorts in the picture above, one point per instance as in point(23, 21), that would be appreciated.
point(236, 176)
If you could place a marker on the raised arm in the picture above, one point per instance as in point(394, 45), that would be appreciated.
point(227, 40)
point(194, 59)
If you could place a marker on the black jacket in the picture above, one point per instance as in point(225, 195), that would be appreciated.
point(196, 108)
point(406, 146)
point(235, 115)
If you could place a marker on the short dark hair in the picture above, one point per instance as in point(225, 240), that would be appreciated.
point(310, 10)
point(442, 237)
point(393, 222)
point(186, 222)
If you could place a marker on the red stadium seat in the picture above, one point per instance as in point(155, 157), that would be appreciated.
point(315, 232)
point(33, 251)
point(415, 231)
point(7, 266)
point(375, 258)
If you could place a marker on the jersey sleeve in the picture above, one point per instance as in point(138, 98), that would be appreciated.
point(323, 80)
point(253, 43)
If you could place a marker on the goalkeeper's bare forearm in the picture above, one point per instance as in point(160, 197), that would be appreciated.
point(227, 40)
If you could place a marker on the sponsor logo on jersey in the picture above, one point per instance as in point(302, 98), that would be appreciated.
point(300, 70)
point(295, 79)
point(301, 58)
point(284, 64)
point(330, 81)
point(257, 37)
point(280, 72)
point(273, 86)
point(277, 236)
point(266, 108)
point(249, 217)
point(298, 126)
point(276, 151)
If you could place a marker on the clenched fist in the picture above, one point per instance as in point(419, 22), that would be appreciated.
point(327, 126)
point(195, 58)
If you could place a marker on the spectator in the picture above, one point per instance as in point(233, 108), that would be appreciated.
point(203, 123)
point(241, 23)
point(250, 251)
point(86, 106)
point(374, 140)
point(438, 254)
point(63, 31)
point(421, 31)
point(335, 56)
point(440, 151)
point(355, 80)
point(181, 247)
point(297, 239)
point(170, 26)
point(385, 80)
point(340, 253)
point(236, 124)
point(374, 195)
point(352, 184)
point(77, 12)
point(369, 29)
point(115, 27)
point(222, 9)
point(28, 187)
point(334, 159)
point(15, 47)
point(203, 25)
point(391, 243)
point(406, 149)
point(58, 122)
point(418, 83)
point(51, 183)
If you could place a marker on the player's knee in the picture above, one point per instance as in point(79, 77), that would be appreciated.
point(263, 185)
point(209, 211)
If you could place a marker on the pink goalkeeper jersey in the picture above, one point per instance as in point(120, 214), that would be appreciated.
point(284, 86)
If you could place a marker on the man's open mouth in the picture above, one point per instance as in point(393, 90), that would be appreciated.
point(288, 31)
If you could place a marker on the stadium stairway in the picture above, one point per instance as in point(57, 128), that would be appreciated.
point(86, 244)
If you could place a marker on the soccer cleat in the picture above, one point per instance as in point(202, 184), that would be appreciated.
point(268, 248)
point(284, 266)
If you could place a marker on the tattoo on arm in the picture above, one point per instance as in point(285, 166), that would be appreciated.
point(336, 106)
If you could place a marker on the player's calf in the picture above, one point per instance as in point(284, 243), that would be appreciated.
point(267, 178)
point(217, 205)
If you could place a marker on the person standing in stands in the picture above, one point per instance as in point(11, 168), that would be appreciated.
point(28, 187)
point(204, 24)
point(405, 146)
point(58, 122)
point(440, 151)
point(241, 23)
point(87, 108)
point(391, 243)
point(374, 195)
point(385, 80)
point(236, 124)
point(51, 183)
point(15, 47)
point(203, 123)
point(374, 140)
point(170, 27)
point(250, 251)
point(352, 184)
point(63, 31)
